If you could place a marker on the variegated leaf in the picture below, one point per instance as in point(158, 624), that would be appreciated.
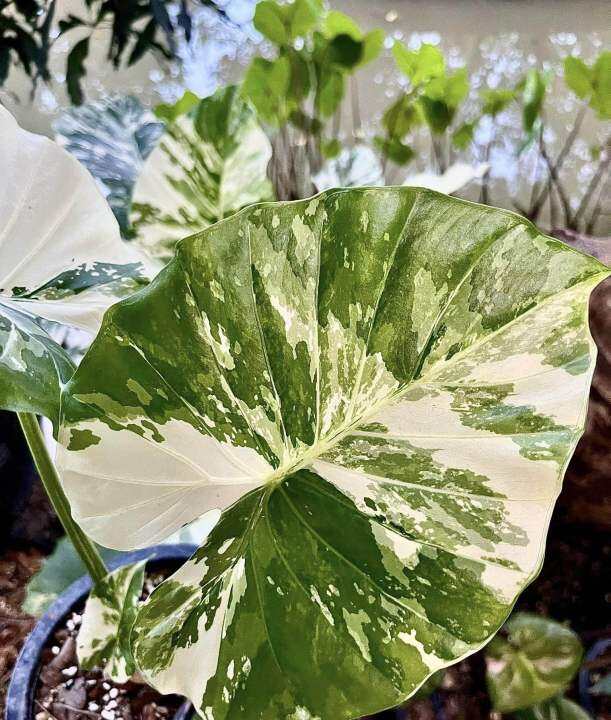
point(104, 638)
point(112, 138)
point(383, 388)
point(61, 258)
point(210, 163)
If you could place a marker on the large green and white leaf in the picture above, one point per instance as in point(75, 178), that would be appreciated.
point(104, 637)
point(61, 258)
point(112, 138)
point(532, 661)
point(383, 388)
point(210, 163)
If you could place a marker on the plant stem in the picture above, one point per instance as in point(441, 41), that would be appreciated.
point(355, 104)
point(553, 174)
point(562, 155)
point(50, 479)
point(438, 155)
point(485, 191)
point(599, 174)
point(596, 210)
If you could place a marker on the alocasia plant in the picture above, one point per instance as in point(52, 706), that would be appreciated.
point(558, 708)
point(382, 387)
point(211, 161)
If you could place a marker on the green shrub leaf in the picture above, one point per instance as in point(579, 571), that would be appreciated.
point(269, 21)
point(382, 387)
point(495, 101)
point(462, 137)
point(208, 164)
point(266, 84)
point(578, 77)
point(419, 66)
point(533, 89)
point(601, 101)
point(535, 661)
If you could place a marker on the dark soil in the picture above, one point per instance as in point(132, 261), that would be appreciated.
point(64, 692)
point(16, 568)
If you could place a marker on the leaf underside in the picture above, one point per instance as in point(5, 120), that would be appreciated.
point(383, 387)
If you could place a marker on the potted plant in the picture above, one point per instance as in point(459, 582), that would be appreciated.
point(379, 387)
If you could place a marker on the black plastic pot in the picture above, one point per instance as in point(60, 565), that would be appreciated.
point(22, 688)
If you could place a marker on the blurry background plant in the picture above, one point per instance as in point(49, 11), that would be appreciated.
point(446, 119)
point(317, 52)
point(29, 28)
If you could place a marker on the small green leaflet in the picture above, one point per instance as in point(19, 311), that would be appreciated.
point(208, 164)
point(61, 258)
point(535, 661)
point(104, 638)
point(381, 387)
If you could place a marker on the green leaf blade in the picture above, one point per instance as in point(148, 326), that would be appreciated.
point(269, 21)
point(578, 77)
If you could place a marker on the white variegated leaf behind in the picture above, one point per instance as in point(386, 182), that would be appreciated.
point(208, 164)
point(61, 259)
